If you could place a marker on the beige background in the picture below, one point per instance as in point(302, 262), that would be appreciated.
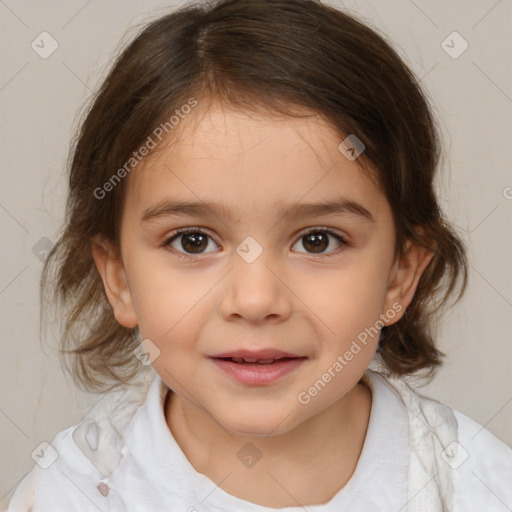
point(39, 102)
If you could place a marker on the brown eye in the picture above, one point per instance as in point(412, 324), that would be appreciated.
point(194, 242)
point(317, 241)
point(191, 241)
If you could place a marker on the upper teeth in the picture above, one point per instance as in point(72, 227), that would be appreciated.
point(251, 360)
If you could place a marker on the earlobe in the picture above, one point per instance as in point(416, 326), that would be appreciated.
point(111, 269)
point(405, 276)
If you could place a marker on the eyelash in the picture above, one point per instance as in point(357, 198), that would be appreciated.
point(184, 231)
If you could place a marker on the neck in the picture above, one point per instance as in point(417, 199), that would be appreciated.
point(325, 447)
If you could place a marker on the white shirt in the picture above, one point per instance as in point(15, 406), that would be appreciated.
point(409, 462)
point(379, 481)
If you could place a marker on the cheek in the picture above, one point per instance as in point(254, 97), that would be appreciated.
point(169, 304)
point(352, 300)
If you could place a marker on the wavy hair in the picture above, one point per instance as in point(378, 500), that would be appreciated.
point(274, 55)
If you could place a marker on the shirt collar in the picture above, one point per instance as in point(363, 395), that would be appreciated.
point(384, 458)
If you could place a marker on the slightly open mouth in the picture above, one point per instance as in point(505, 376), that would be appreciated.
point(251, 361)
point(252, 371)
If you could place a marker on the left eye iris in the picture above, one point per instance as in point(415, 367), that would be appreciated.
point(317, 241)
point(194, 243)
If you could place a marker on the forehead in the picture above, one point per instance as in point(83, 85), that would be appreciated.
point(250, 161)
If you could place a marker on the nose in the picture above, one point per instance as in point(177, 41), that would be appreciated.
point(256, 291)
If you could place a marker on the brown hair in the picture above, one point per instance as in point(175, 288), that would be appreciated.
point(275, 55)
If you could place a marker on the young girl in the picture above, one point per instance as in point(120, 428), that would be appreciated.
point(251, 264)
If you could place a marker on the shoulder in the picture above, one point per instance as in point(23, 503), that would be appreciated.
point(466, 459)
point(46, 476)
point(479, 463)
point(481, 466)
point(70, 471)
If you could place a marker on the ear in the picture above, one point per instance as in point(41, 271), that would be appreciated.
point(111, 269)
point(404, 278)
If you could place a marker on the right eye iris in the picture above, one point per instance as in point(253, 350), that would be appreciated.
point(194, 242)
point(318, 241)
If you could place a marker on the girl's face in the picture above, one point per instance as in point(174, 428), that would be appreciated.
point(266, 266)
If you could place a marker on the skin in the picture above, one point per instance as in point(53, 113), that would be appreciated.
point(290, 298)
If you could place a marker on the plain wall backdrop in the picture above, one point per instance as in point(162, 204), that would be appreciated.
point(40, 99)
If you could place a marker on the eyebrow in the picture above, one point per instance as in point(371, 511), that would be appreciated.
point(172, 208)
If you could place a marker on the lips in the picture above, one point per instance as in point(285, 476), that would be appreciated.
point(252, 356)
point(257, 368)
